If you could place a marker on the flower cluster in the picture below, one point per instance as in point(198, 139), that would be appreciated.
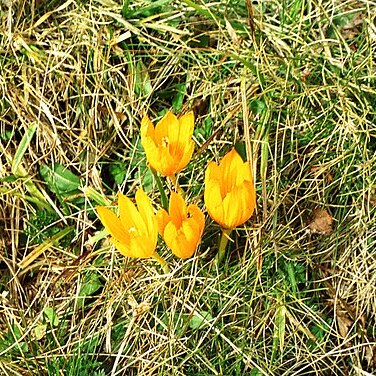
point(229, 195)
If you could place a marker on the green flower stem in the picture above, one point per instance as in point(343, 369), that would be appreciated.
point(164, 200)
point(222, 245)
point(162, 262)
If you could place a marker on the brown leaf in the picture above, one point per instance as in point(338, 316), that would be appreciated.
point(354, 27)
point(370, 356)
point(344, 322)
point(321, 222)
point(119, 115)
point(318, 171)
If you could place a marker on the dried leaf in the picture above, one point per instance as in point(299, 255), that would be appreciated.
point(319, 172)
point(370, 356)
point(232, 33)
point(344, 322)
point(321, 222)
point(353, 27)
point(138, 309)
point(119, 115)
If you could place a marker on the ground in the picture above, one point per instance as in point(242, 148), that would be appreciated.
point(290, 84)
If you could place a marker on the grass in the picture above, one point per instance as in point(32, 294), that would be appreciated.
point(291, 84)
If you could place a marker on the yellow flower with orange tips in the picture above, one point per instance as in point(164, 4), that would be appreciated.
point(182, 226)
point(229, 196)
point(135, 232)
point(168, 145)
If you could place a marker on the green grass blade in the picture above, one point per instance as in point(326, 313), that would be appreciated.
point(22, 148)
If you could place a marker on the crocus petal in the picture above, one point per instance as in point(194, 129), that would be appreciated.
point(186, 156)
point(230, 165)
point(159, 158)
point(124, 248)
point(177, 209)
point(135, 233)
point(152, 153)
point(147, 212)
point(212, 173)
point(182, 226)
point(182, 242)
point(167, 163)
point(192, 236)
point(168, 146)
point(168, 124)
point(244, 174)
point(147, 128)
point(239, 205)
point(230, 196)
point(162, 218)
point(186, 126)
point(250, 199)
point(130, 216)
point(158, 155)
point(112, 224)
point(170, 236)
point(143, 247)
point(197, 215)
point(213, 200)
point(231, 210)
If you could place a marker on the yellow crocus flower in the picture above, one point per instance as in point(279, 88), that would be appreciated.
point(168, 146)
point(229, 195)
point(135, 233)
point(181, 227)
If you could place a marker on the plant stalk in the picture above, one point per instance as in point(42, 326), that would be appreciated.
point(164, 200)
point(175, 183)
point(222, 245)
point(162, 262)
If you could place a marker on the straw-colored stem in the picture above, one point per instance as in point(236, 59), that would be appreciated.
point(175, 183)
point(162, 262)
point(222, 245)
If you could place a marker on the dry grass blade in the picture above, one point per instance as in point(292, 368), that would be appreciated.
point(290, 84)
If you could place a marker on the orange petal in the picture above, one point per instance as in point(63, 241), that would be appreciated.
point(147, 129)
point(230, 166)
point(167, 163)
point(113, 225)
point(186, 155)
point(170, 236)
point(244, 174)
point(182, 242)
point(198, 216)
point(124, 249)
point(192, 235)
point(152, 153)
point(232, 210)
point(250, 198)
point(143, 247)
point(213, 174)
point(239, 205)
point(162, 219)
point(130, 216)
point(177, 209)
point(172, 133)
point(169, 121)
point(146, 211)
point(213, 200)
point(186, 125)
